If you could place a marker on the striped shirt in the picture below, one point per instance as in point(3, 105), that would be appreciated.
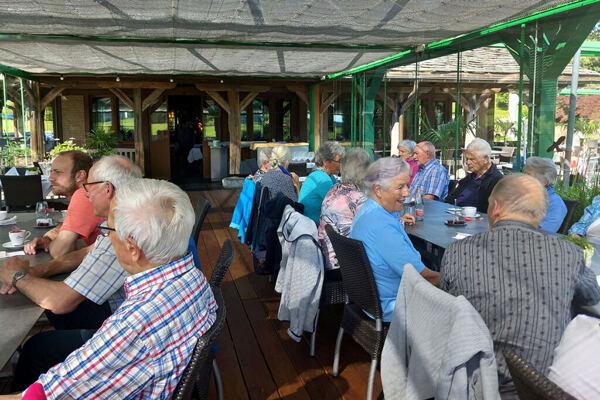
point(522, 282)
point(140, 351)
point(433, 178)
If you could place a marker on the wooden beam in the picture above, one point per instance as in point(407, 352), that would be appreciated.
point(463, 101)
point(235, 132)
point(50, 96)
point(123, 97)
point(216, 87)
point(220, 101)
point(141, 150)
point(317, 117)
point(389, 101)
point(248, 100)
point(156, 104)
point(301, 92)
point(407, 102)
point(328, 101)
point(151, 98)
point(38, 125)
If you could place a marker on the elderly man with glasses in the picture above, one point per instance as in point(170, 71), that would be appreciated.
point(142, 350)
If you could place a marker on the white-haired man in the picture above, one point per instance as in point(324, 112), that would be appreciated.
point(520, 280)
point(431, 176)
point(474, 189)
point(142, 350)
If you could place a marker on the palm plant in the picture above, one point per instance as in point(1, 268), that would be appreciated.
point(504, 126)
point(443, 135)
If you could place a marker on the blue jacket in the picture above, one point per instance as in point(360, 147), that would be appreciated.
point(556, 211)
point(243, 209)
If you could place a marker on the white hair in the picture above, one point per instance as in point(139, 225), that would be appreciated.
point(353, 166)
point(480, 147)
point(116, 169)
point(328, 151)
point(383, 171)
point(157, 215)
point(408, 145)
point(263, 156)
point(280, 156)
point(428, 147)
point(543, 168)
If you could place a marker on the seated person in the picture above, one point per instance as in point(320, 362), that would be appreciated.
point(575, 365)
point(342, 202)
point(378, 225)
point(474, 189)
point(544, 170)
point(318, 183)
point(278, 179)
point(431, 177)
point(68, 174)
point(589, 223)
point(406, 150)
point(522, 281)
point(263, 162)
point(142, 350)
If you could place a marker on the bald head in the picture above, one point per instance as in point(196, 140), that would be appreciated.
point(519, 197)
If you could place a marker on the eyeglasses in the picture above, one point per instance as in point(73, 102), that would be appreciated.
point(88, 184)
point(105, 229)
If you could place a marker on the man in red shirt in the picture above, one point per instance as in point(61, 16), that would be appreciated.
point(69, 173)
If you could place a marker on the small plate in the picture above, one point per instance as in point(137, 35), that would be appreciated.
point(452, 223)
point(9, 245)
point(45, 227)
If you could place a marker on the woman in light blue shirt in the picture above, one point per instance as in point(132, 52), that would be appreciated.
point(318, 183)
point(379, 225)
point(544, 170)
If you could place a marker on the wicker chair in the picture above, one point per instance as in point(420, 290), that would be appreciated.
point(531, 384)
point(202, 207)
point(362, 295)
point(571, 206)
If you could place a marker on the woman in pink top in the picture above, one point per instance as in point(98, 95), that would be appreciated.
point(406, 150)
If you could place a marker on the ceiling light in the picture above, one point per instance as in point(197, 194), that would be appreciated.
point(62, 77)
point(118, 79)
point(171, 79)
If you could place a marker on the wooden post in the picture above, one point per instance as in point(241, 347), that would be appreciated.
point(317, 116)
point(141, 140)
point(235, 132)
point(115, 115)
point(37, 133)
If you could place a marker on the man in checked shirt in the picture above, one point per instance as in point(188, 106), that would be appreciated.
point(143, 348)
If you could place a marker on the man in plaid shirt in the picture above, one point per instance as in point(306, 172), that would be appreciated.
point(431, 176)
point(143, 348)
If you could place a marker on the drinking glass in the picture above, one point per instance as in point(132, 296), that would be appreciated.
point(41, 208)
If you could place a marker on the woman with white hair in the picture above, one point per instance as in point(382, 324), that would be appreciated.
point(343, 201)
point(279, 179)
point(318, 183)
point(475, 188)
point(378, 225)
point(406, 150)
point(263, 158)
point(544, 170)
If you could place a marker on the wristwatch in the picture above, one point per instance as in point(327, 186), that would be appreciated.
point(18, 275)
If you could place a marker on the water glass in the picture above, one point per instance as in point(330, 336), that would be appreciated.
point(41, 208)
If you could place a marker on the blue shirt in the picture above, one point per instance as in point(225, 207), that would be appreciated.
point(470, 194)
point(433, 178)
point(556, 211)
point(590, 214)
point(388, 248)
point(313, 192)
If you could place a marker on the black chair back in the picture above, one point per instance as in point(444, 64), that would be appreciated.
point(196, 376)
point(222, 265)
point(531, 384)
point(357, 275)
point(202, 207)
point(22, 191)
point(566, 224)
point(298, 168)
point(452, 185)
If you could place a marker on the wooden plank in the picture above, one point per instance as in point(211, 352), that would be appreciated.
point(248, 100)
point(301, 92)
point(328, 101)
point(50, 96)
point(123, 97)
point(220, 101)
point(151, 98)
point(138, 134)
point(235, 132)
point(225, 87)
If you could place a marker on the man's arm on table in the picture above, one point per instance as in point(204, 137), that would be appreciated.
point(65, 242)
point(57, 297)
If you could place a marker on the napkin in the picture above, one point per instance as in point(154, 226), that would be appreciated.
point(461, 236)
point(12, 172)
point(9, 221)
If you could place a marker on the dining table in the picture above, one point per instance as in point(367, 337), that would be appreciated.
point(18, 314)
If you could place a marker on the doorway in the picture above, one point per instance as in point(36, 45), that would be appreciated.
point(184, 119)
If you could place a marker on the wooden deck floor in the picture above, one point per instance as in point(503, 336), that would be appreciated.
point(256, 357)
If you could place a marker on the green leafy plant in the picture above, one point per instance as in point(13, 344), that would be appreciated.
point(13, 154)
point(584, 244)
point(443, 135)
point(504, 126)
point(101, 142)
point(65, 146)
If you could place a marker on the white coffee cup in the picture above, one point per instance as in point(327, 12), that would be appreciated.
point(3, 214)
point(469, 211)
point(17, 238)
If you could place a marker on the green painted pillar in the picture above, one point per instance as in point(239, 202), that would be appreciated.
point(547, 47)
point(368, 86)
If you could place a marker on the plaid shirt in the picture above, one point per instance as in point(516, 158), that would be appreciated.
point(100, 277)
point(433, 178)
point(140, 351)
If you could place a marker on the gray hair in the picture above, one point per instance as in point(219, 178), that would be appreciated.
point(280, 156)
point(407, 144)
point(116, 170)
point(480, 147)
point(523, 195)
point(158, 215)
point(328, 151)
point(429, 147)
point(264, 155)
point(353, 166)
point(543, 168)
point(383, 171)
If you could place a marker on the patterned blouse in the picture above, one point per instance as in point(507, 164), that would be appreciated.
point(339, 206)
point(590, 214)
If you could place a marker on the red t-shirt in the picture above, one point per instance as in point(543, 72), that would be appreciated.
point(81, 219)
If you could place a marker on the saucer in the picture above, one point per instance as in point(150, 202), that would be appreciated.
point(453, 223)
point(9, 245)
point(46, 227)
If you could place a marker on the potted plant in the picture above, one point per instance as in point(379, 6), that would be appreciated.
point(101, 143)
point(585, 245)
point(14, 154)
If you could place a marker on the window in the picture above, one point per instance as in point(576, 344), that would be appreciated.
point(126, 124)
point(158, 119)
point(261, 120)
point(101, 114)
